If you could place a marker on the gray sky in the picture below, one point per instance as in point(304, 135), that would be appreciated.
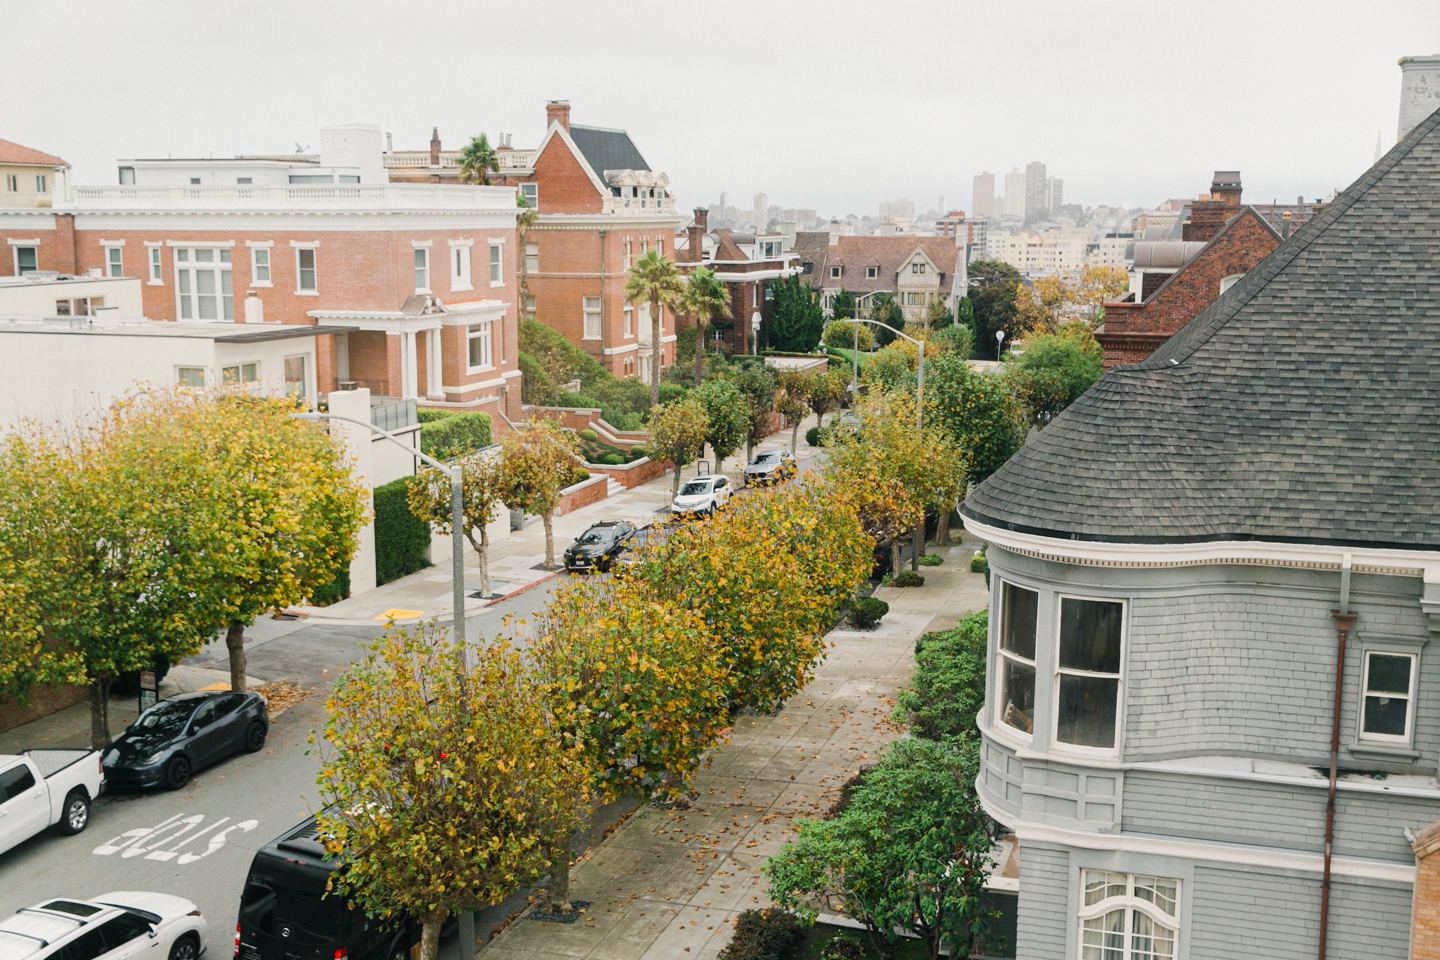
point(833, 105)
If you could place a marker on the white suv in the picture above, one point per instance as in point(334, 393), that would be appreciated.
point(703, 495)
point(127, 925)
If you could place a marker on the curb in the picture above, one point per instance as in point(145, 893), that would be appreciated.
point(519, 590)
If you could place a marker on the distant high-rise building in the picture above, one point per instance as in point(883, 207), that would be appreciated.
point(1036, 201)
point(724, 203)
point(1015, 193)
point(760, 213)
point(898, 211)
point(982, 196)
point(1054, 193)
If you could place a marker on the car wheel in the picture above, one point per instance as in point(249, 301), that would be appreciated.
point(186, 948)
point(76, 813)
point(255, 737)
point(177, 773)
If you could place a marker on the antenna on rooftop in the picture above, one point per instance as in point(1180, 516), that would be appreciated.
point(299, 149)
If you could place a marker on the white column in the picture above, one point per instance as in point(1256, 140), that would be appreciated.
point(432, 365)
point(356, 404)
point(410, 376)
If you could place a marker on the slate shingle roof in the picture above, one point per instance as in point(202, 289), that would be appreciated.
point(606, 149)
point(1303, 406)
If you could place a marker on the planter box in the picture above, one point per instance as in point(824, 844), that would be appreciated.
point(631, 475)
point(583, 494)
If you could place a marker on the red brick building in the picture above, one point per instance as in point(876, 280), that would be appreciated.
point(427, 272)
point(1235, 239)
point(746, 264)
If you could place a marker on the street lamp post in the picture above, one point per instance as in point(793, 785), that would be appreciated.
point(999, 340)
point(457, 514)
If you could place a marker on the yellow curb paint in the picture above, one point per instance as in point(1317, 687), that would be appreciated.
point(400, 614)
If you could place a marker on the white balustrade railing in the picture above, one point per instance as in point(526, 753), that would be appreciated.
point(424, 196)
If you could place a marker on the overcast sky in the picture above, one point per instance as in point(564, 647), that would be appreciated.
point(832, 105)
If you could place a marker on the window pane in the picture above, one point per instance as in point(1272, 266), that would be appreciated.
point(224, 256)
point(204, 256)
point(1017, 628)
point(1090, 635)
point(1158, 891)
point(205, 288)
point(307, 269)
point(191, 376)
point(1102, 885)
point(1087, 711)
point(1103, 938)
point(1151, 941)
point(262, 266)
point(182, 255)
point(294, 376)
point(494, 264)
point(1388, 674)
point(1018, 695)
point(26, 260)
point(1386, 715)
point(227, 298)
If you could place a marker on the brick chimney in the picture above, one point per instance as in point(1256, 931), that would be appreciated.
point(557, 110)
point(1425, 907)
point(1208, 216)
point(434, 146)
point(696, 234)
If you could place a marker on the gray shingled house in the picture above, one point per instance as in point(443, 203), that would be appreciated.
point(1178, 562)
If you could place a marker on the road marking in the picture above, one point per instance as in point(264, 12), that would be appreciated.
point(176, 832)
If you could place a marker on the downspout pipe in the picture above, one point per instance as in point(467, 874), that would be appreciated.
point(1344, 622)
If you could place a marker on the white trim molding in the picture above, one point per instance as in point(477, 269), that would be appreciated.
point(200, 243)
point(113, 243)
point(301, 244)
point(417, 244)
point(628, 348)
point(259, 243)
point(14, 242)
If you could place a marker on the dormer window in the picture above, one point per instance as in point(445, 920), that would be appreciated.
point(872, 273)
point(835, 273)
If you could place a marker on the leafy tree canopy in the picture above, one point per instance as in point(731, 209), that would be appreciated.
point(993, 286)
point(978, 411)
point(796, 320)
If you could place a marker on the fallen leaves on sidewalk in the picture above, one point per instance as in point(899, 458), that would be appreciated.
point(281, 695)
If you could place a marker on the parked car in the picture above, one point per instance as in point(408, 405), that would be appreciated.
point(775, 466)
point(703, 495)
point(597, 548)
point(129, 924)
point(285, 913)
point(47, 788)
point(186, 733)
point(631, 550)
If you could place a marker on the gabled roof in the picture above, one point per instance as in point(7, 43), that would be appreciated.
point(887, 254)
point(11, 152)
point(606, 149)
point(1301, 406)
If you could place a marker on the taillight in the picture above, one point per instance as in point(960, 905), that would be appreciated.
point(342, 954)
point(237, 939)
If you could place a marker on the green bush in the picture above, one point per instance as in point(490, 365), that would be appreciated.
point(978, 563)
point(842, 335)
point(536, 386)
point(612, 459)
point(958, 339)
point(454, 434)
point(770, 934)
point(671, 391)
point(947, 688)
point(402, 540)
point(843, 947)
point(590, 435)
point(638, 451)
point(867, 611)
point(336, 590)
point(432, 416)
point(931, 560)
point(907, 578)
point(581, 475)
point(812, 436)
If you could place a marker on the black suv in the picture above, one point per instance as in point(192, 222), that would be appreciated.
point(597, 548)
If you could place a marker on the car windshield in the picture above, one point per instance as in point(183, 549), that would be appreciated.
point(695, 487)
point(767, 458)
point(167, 716)
point(596, 535)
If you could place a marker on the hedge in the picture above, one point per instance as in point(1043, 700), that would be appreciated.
point(402, 540)
point(769, 934)
point(336, 590)
point(454, 433)
point(867, 611)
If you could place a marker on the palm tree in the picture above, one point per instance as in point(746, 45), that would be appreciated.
point(524, 220)
point(478, 161)
point(705, 295)
point(655, 280)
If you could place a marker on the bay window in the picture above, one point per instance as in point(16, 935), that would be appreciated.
point(1128, 917)
point(1018, 609)
point(1089, 672)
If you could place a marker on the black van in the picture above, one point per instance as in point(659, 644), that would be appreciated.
point(285, 913)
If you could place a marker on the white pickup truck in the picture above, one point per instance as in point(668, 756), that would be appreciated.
point(43, 788)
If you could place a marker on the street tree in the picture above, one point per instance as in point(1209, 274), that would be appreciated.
point(445, 785)
point(727, 417)
point(677, 435)
point(909, 853)
point(430, 499)
point(478, 160)
point(826, 392)
point(704, 297)
point(978, 411)
point(654, 280)
point(992, 286)
point(537, 463)
point(793, 400)
point(758, 385)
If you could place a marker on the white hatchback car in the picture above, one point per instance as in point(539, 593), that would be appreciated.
point(127, 925)
point(703, 495)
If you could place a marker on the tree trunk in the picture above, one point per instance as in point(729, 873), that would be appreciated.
point(430, 935)
point(235, 643)
point(557, 894)
point(794, 433)
point(100, 713)
point(749, 449)
point(655, 327)
point(548, 520)
point(895, 556)
point(482, 550)
point(675, 483)
point(942, 529)
point(699, 352)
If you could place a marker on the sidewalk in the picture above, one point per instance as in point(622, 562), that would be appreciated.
point(668, 884)
point(517, 557)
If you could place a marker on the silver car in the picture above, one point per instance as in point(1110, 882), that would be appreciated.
point(702, 496)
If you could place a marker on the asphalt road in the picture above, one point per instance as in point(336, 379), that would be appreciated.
point(198, 842)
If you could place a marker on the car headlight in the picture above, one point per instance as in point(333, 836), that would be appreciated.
point(154, 757)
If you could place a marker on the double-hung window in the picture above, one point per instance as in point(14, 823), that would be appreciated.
point(202, 283)
point(1089, 675)
point(1018, 608)
point(1128, 917)
point(114, 264)
point(42, 183)
point(479, 344)
point(27, 260)
point(422, 270)
point(532, 258)
point(156, 270)
point(629, 321)
point(305, 280)
point(530, 192)
point(1389, 682)
point(12, 183)
point(591, 307)
point(260, 266)
point(496, 276)
point(625, 255)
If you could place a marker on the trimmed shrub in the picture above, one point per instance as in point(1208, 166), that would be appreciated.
point(638, 451)
point(333, 592)
point(431, 416)
point(843, 947)
point(867, 611)
point(671, 391)
point(402, 540)
point(842, 335)
point(590, 435)
point(978, 563)
point(907, 578)
point(812, 436)
point(947, 688)
point(455, 434)
point(612, 459)
point(770, 934)
point(931, 560)
point(581, 475)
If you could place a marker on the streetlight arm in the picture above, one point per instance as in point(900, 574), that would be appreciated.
point(317, 417)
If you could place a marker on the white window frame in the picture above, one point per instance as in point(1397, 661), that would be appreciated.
point(1060, 745)
point(482, 333)
point(532, 257)
point(154, 265)
point(114, 251)
point(1131, 903)
point(12, 183)
point(660, 247)
point(460, 264)
point(188, 266)
point(625, 254)
point(629, 321)
point(42, 183)
point(497, 263)
point(1364, 738)
point(586, 312)
point(1227, 282)
point(240, 378)
point(180, 371)
point(1002, 655)
point(532, 195)
point(421, 258)
point(259, 248)
point(15, 249)
point(305, 374)
point(835, 273)
point(314, 249)
point(872, 273)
